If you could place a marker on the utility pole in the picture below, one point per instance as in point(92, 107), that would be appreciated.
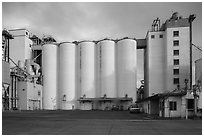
point(190, 20)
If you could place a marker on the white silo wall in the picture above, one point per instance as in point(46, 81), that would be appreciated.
point(87, 69)
point(67, 92)
point(127, 68)
point(107, 68)
point(78, 76)
point(97, 71)
point(49, 67)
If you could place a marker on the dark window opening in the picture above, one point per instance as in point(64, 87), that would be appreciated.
point(190, 103)
point(152, 36)
point(176, 71)
point(175, 33)
point(176, 61)
point(176, 80)
point(176, 42)
point(160, 36)
point(173, 105)
point(176, 52)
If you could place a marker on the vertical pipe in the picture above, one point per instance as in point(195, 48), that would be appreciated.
point(12, 92)
point(190, 54)
point(15, 92)
point(8, 51)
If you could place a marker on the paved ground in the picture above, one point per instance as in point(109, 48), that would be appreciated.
point(94, 123)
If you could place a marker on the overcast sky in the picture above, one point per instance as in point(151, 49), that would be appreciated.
point(94, 21)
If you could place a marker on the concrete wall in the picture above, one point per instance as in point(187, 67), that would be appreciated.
point(198, 71)
point(86, 106)
point(145, 106)
point(20, 46)
point(154, 64)
point(173, 113)
point(5, 72)
point(198, 77)
point(159, 59)
point(28, 94)
point(184, 57)
point(22, 96)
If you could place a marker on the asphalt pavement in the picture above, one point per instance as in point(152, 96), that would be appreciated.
point(94, 123)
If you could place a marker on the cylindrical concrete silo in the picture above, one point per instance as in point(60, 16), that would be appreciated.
point(50, 77)
point(97, 71)
point(126, 68)
point(87, 69)
point(107, 68)
point(67, 69)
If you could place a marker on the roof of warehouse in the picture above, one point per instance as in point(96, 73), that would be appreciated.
point(161, 95)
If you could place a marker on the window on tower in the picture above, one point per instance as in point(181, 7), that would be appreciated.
point(176, 71)
point(176, 80)
point(175, 33)
point(176, 52)
point(176, 61)
point(176, 43)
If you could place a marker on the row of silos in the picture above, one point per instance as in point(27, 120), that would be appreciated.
point(89, 70)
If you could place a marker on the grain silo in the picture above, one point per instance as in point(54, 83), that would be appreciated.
point(87, 72)
point(127, 68)
point(107, 68)
point(67, 69)
point(49, 67)
point(87, 61)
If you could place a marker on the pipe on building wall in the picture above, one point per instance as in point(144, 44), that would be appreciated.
point(191, 18)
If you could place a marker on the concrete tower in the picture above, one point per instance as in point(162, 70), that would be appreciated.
point(167, 55)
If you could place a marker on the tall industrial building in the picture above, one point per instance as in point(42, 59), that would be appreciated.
point(20, 46)
point(167, 55)
point(24, 84)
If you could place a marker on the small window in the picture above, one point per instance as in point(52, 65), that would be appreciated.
point(173, 105)
point(176, 52)
point(190, 103)
point(160, 36)
point(176, 80)
point(176, 61)
point(176, 71)
point(175, 33)
point(176, 43)
point(152, 36)
point(38, 93)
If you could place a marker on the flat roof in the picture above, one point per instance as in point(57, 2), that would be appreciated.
point(161, 95)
